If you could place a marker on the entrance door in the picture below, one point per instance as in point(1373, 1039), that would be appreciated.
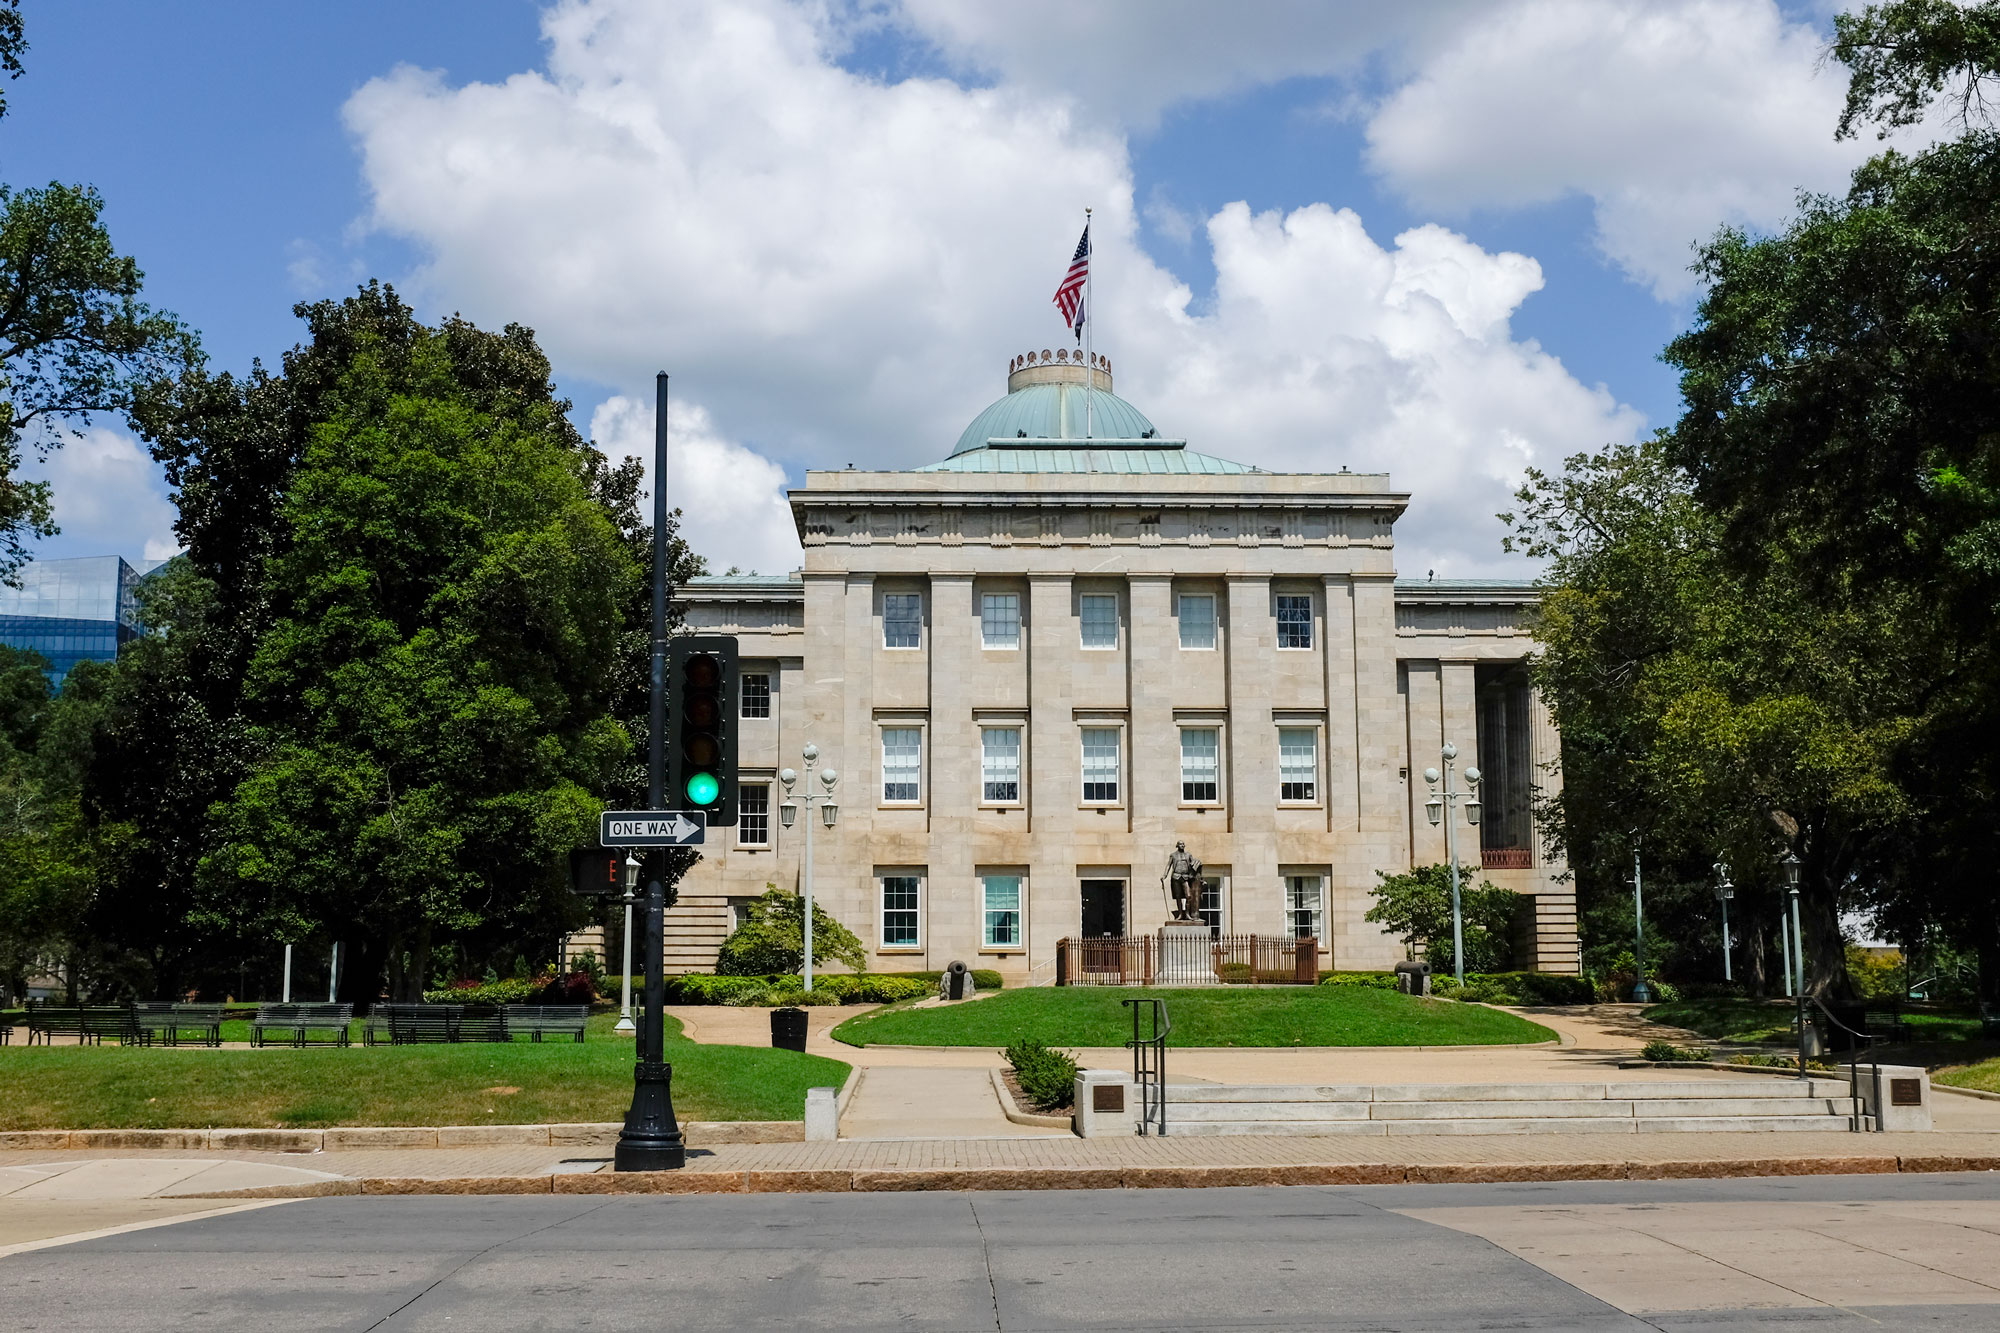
point(1103, 907)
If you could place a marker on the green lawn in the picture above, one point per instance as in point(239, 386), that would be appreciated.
point(1985, 1075)
point(1278, 1016)
point(1751, 1022)
point(114, 1087)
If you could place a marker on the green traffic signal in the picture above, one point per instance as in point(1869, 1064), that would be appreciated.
point(702, 789)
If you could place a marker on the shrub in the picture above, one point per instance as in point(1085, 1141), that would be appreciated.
point(1713, 990)
point(985, 978)
point(1416, 906)
point(1658, 1051)
point(1047, 1076)
point(1477, 989)
point(1664, 992)
point(1540, 987)
point(576, 988)
point(700, 988)
point(772, 941)
point(1369, 980)
point(509, 991)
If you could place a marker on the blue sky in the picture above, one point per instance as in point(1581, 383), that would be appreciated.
point(630, 183)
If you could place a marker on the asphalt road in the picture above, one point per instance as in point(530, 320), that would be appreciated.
point(1370, 1258)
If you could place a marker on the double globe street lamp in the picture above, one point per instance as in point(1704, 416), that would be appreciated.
point(1435, 808)
point(788, 813)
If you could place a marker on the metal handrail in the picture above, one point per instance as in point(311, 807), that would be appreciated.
point(1858, 1107)
point(1150, 1076)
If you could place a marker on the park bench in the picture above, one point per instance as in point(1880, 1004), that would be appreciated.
point(89, 1024)
point(6, 1029)
point(1884, 1022)
point(561, 1019)
point(300, 1020)
point(409, 1024)
point(481, 1022)
point(169, 1021)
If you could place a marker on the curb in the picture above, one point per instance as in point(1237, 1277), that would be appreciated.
point(593, 1135)
point(1012, 1110)
point(848, 1180)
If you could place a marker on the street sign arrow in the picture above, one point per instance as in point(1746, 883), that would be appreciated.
point(652, 828)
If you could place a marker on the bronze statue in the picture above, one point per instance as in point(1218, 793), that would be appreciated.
point(1184, 876)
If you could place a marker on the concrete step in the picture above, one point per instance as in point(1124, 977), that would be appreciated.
point(1267, 1112)
point(1180, 1126)
point(1705, 1090)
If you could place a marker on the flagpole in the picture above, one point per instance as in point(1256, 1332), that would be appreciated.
point(1089, 322)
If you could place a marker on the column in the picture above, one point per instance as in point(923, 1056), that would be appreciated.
point(1053, 763)
point(1151, 735)
point(951, 768)
point(1257, 899)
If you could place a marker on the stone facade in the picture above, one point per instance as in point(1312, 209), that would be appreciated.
point(1010, 550)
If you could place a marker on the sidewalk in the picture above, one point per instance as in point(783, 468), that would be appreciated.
point(1027, 1162)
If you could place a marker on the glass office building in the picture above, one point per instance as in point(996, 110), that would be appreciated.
point(72, 611)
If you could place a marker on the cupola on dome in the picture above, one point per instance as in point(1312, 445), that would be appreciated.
point(1045, 401)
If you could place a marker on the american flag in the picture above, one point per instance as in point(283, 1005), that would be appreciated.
point(1069, 295)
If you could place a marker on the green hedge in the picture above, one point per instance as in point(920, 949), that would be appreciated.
point(1371, 980)
point(777, 990)
point(511, 991)
point(1517, 988)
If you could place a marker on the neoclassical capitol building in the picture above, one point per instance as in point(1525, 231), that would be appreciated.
point(1040, 663)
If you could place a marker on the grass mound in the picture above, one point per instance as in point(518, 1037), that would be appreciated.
point(1093, 1016)
point(112, 1087)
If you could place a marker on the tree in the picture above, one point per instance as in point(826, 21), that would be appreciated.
point(1904, 54)
point(773, 940)
point(1416, 905)
point(13, 44)
point(431, 700)
point(74, 339)
point(1712, 713)
point(1841, 386)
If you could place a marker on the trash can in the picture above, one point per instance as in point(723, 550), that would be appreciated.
point(956, 983)
point(1414, 978)
point(788, 1030)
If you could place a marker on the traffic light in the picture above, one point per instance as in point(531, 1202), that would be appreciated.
point(701, 725)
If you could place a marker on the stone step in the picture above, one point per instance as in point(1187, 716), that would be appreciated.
point(1705, 1090)
point(1227, 1112)
point(1186, 1128)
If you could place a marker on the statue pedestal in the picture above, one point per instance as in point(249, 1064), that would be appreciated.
point(1186, 956)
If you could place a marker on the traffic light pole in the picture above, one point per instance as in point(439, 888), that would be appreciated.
point(651, 1140)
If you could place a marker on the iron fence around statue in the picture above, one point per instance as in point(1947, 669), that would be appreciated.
point(1170, 959)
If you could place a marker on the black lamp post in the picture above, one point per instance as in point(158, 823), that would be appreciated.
point(651, 1140)
point(1790, 865)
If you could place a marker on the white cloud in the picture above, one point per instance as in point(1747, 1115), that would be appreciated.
point(1325, 349)
point(1673, 116)
point(732, 501)
point(110, 498)
point(836, 269)
point(1131, 59)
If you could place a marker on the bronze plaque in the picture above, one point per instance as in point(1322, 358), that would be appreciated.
point(1906, 1092)
point(1107, 1097)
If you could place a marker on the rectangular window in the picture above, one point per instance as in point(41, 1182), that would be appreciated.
point(1200, 765)
point(1000, 764)
point(1295, 621)
point(1197, 621)
point(1100, 764)
point(753, 815)
point(1211, 905)
point(1000, 620)
point(899, 911)
point(902, 620)
point(902, 763)
point(1298, 764)
point(1100, 621)
point(1002, 910)
point(1302, 905)
point(756, 694)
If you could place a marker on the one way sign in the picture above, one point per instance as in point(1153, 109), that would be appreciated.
point(652, 828)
